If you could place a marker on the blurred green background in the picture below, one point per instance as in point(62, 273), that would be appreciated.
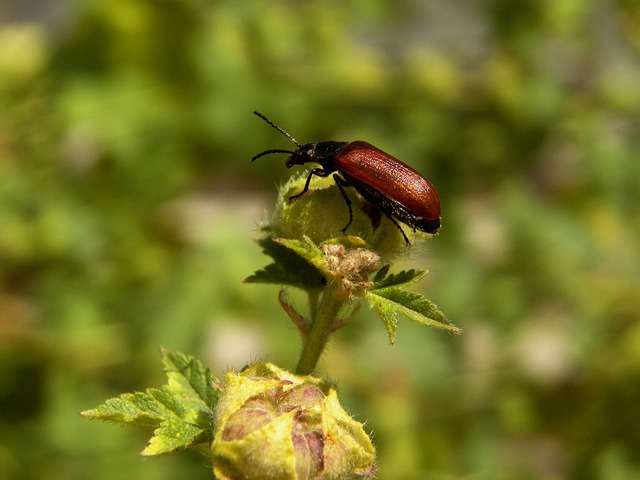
point(128, 207)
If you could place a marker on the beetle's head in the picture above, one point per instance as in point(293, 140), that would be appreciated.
point(317, 152)
point(427, 225)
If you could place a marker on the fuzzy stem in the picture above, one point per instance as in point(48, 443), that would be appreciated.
point(322, 327)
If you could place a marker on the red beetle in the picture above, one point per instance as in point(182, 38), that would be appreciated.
point(395, 188)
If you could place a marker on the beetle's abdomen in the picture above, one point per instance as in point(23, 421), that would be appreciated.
point(397, 182)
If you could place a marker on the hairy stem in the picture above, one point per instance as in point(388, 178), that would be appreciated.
point(323, 322)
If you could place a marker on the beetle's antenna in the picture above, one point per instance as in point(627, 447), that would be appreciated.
point(287, 134)
point(267, 152)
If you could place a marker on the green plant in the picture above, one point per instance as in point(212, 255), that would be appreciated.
point(265, 422)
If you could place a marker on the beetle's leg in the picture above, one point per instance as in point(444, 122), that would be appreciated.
point(341, 183)
point(389, 211)
point(319, 172)
point(407, 242)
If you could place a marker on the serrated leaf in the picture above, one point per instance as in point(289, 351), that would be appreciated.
point(289, 268)
point(404, 278)
point(380, 274)
point(387, 312)
point(172, 436)
point(131, 408)
point(180, 412)
point(391, 301)
point(307, 250)
point(190, 378)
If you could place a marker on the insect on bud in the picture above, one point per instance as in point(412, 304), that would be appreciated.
point(401, 193)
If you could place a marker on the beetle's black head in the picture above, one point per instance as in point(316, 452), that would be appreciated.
point(427, 225)
point(317, 152)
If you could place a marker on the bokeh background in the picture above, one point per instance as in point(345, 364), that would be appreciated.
point(128, 207)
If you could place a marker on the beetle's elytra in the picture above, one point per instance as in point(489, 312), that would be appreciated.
point(395, 188)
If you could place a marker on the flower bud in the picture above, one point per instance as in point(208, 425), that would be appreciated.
point(271, 424)
point(321, 214)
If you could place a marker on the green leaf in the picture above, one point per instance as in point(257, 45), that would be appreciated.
point(387, 313)
point(380, 274)
point(171, 436)
point(307, 250)
point(404, 278)
point(391, 301)
point(293, 266)
point(189, 377)
point(181, 411)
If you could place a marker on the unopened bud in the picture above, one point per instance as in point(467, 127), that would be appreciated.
point(273, 425)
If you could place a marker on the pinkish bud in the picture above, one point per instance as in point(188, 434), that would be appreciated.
point(271, 424)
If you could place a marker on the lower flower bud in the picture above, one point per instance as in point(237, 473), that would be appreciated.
point(271, 424)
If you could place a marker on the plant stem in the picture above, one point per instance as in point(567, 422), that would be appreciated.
point(322, 327)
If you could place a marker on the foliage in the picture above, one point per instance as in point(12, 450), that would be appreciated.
point(126, 195)
point(180, 412)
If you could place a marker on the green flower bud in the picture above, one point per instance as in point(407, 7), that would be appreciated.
point(273, 425)
point(321, 214)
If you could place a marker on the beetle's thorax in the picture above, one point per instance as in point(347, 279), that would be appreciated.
point(316, 152)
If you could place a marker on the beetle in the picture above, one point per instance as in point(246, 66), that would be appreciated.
point(395, 188)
